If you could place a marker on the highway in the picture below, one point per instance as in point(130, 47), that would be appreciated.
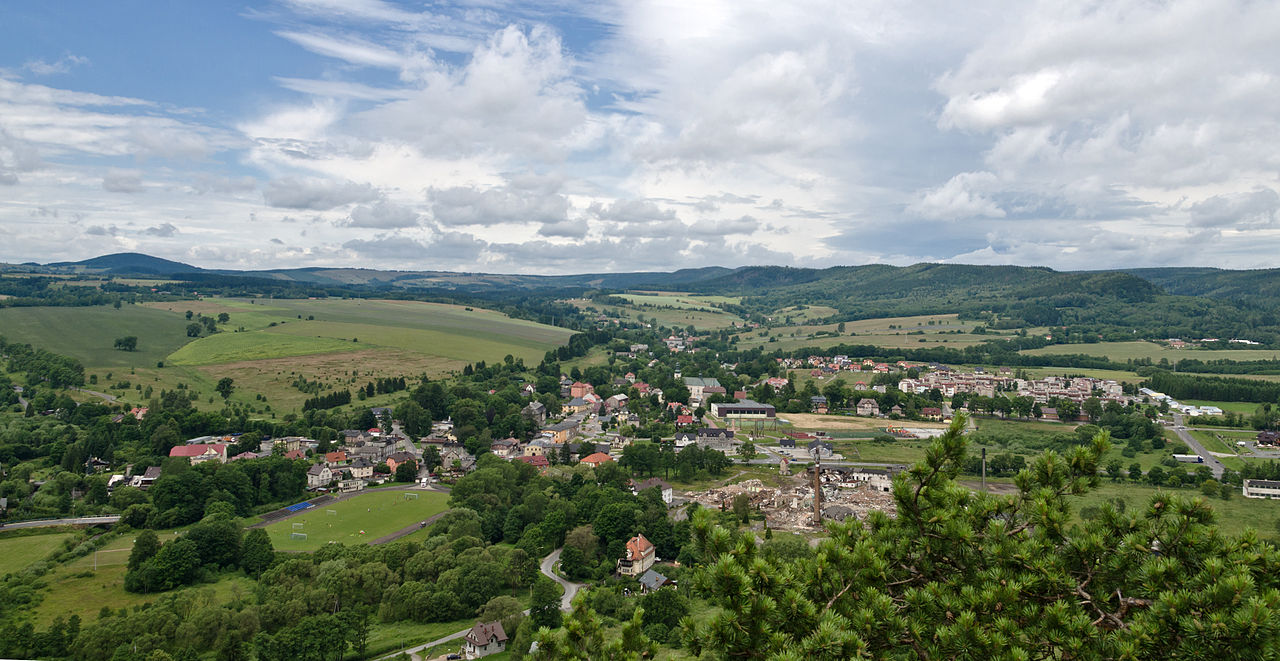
point(1185, 436)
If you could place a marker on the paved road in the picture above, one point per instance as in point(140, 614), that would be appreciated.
point(1209, 460)
point(46, 523)
point(570, 589)
point(109, 398)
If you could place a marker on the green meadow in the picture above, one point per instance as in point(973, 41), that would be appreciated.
point(1122, 351)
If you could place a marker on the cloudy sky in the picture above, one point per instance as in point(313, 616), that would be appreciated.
point(556, 137)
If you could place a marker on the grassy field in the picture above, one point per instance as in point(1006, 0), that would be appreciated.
point(890, 332)
point(1246, 408)
point(254, 345)
point(699, 318)
point(18, 552)
point(1233, 516)
point(1122, 351)
point(358, 520)
point(269, 343)
point(88, 333)
point(683, 301)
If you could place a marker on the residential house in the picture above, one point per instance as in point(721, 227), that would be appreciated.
point(147, 478)
point(931, 413)
point(683, 420)
point(484, 639)
point(575, 405)
point(818, 404)
point(398, 458)
point(361, 468)
point(640, 554)
point(537, 462)
point(562, 431)
point(616, 402)
point(536, 412)
point(505, 448)
point(540, 447)
point(686, 438)
point(295, 454)
point(456, 458)
point(596, 459)
point(652, 581)
point(868, 407)
point(580, 389)
point(335, 458)
point(318, 475)
point(653, 483)
point(348, 483)
point(198, 453)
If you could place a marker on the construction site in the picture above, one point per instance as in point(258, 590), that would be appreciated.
point(844, 492)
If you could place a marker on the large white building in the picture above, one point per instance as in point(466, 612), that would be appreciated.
point(1261, 489)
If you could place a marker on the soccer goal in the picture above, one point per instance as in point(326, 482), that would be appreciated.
point(298, 535)
point(331, 512)
point(298, 526)
point(410, 496)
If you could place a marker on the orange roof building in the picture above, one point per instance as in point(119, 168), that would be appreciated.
point(640, 556)
point(596, 458)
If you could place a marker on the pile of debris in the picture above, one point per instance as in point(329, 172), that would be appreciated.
point(791, 507)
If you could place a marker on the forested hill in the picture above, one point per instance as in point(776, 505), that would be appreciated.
point(1259, 285)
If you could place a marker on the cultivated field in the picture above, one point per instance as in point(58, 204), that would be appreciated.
point(357, 520)
point(699, 318)
point(1122, 351)
point(88, 333)
point(269, 343)
point(917, 332)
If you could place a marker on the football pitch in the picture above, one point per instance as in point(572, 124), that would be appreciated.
point(358, 520)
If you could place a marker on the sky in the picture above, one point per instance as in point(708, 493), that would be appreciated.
point(563, 137)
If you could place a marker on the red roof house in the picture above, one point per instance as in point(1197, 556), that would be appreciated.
point(595, 459)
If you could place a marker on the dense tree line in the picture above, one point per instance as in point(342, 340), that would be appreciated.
point(42, 366)
point(328, 401)
point(1216, 388)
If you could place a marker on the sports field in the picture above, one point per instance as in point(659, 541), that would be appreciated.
point(357, 520)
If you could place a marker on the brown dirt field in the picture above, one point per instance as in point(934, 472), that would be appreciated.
point(815, 421)
point(274, 377)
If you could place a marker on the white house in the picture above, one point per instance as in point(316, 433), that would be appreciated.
point(318, 475)
point(484, 639)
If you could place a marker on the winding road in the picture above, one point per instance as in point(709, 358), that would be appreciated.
point(547, 567)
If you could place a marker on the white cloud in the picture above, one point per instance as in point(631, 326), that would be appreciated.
point(383, 215)
point(963, 196)
point(122, 181)
point(63, 64)
point(315, 193)
point(509, 204)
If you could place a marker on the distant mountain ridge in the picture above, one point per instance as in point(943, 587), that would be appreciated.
point(868, 282)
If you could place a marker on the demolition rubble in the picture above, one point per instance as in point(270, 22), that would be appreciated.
point(845, 493)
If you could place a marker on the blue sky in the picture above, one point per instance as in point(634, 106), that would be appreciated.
point(567, 137)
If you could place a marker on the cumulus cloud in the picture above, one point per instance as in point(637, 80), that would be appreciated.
point(963, 196)
point(100, 230)
point(315, 194)
point(164, 230)
point(122, 181)
point(383, 215)
point(1259, 207)
point(452, 247)
point(466, 205)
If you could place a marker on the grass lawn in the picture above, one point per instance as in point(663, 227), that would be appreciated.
point(18, 552)
point(1212, 443)
point(375, 513)
point(1233, 515)
point(1122, 351)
